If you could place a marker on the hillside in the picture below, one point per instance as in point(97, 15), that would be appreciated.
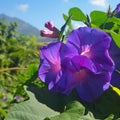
point(23, 27)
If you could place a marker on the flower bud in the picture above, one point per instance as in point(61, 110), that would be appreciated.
point(52, 31)
point(49, 25)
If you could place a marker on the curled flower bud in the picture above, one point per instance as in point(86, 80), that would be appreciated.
point(49, 25)
point(49, 34)
point(52, 31)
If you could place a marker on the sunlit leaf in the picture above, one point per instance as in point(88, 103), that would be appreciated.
point(73, 111)
point(32, 69)
point(77, 14)
point(115, 36)
point(98, 17)
point(117, 90)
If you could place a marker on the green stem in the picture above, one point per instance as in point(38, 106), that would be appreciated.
point(117, 71)
point(14, 68)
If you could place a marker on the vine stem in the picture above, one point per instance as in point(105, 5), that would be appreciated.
point(14, 68)
point(117, 71)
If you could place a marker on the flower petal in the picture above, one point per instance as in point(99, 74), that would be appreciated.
point(73, 41)
point(93, 86)
point(66, 83)
point(80, 62)
point(98, 43)
point(51, 52)
point(85, 36)
point(100, 54)
point(50, 62)
point(43, 69)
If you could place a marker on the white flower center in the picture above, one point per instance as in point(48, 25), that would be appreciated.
point(86, 50)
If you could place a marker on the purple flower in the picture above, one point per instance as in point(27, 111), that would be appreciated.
point(4, 98)
point(17, 98)
point(3, 90)
point(93, 64)
point(83, 62)
point(117, 10)
point(52, 70)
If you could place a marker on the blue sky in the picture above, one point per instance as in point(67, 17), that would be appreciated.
point(37, 12)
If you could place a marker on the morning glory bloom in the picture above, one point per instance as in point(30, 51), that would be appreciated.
point(83, 62)
point(91, 59)
point(52, 70)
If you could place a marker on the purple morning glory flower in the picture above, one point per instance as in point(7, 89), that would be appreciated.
point(83, 62)
point(117, 10)
point(52, 70)
point(91, 58)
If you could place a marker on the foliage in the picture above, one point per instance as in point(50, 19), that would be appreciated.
point(100, 20)
point(39, 111)
point(19, 60)
point(17, 54)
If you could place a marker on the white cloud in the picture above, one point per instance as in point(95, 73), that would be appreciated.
point(101, 3)
point(23, 7)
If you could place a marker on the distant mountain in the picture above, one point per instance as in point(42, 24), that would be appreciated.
point(23, 27)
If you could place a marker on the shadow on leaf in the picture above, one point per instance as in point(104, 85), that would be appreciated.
point(107, 104)
point(56, 101)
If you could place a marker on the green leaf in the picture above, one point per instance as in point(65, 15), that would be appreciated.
point(105, 106)
point(65, 18)
point(3, 112)
point(73, 111)
point(30, 110)
point(114, 20)
point(110, 117)
point(32, 69)
point(19, 90)
point(116, 90)
point(60, 36)
point(70, 26)
point(77, 14)
point(98, 18)
point(54, 100)
point(42, 104)
point(115, 36)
